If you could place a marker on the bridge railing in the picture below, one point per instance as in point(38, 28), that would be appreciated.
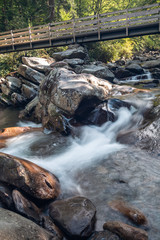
point(75, 27)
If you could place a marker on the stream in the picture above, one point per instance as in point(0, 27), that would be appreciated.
point(93, 164)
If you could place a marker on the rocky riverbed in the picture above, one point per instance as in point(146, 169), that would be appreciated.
point(88, 168)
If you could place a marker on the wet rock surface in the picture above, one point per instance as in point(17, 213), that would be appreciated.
point(14, 226)
point(29, 177)
point(104, 235)
point(125, 231)
point(135, 215)
point(25, 207)
point(75, 216)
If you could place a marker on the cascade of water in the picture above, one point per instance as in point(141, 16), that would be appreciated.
point(93, 145)
point(146, 76)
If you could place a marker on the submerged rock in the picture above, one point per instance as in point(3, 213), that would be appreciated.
point(132, 213)
point(14, 226)
point(29, 177)
point(125, 231)
point(75, 216)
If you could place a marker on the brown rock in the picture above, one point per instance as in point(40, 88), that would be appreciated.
point(132, 213)
point(29, 177)
point(75, 216)
point(14, 131)
point(26, 207)
point(126, 232)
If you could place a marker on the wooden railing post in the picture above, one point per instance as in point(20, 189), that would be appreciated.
point(12, 39)
point(74, 35)
point(99, 32)
point(30, 37)
point(127, 22)
point(49, 33)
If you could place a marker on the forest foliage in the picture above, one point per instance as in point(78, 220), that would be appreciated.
point(16, 14)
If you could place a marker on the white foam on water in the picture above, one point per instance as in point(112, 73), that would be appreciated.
point(93, 145)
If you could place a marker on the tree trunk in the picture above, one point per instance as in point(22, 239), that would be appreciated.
point(52, 10)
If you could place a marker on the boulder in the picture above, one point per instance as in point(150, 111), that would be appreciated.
point(27, 112)
point(29, 84)
point(151, 64)
point(135, 68)
point(97, 116)
point(4, 100)
point(62, 92)
point(25, 207)
point(29, 177)
point(28, 92)
point(14, 226)
point(104, 235)
point(18, 99)
point(75, 216)
point(78, 52)
point(13, 83)
point(99, 71)
point(61, 64)
point(125, 231)
point(39, 64)
point(123, 73)
point(30, 74)
point(6, 90)
point(74, 62)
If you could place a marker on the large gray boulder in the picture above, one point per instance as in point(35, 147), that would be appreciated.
point(99, 71)
point(16, 227)
point(39, 64)
point(30, 74)
point(62, 91)
point(78, 52)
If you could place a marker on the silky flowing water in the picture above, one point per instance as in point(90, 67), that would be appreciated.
point(93, 164)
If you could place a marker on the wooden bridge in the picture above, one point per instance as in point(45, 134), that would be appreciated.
point(113, 25)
